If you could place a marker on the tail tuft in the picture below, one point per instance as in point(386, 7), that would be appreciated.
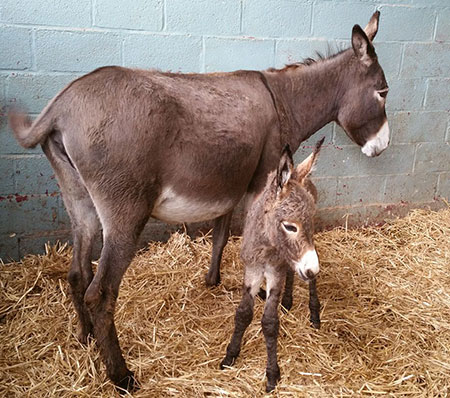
point(27, 132)
point(20, 123)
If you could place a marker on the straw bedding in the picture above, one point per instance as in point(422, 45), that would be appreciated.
point(385, 295)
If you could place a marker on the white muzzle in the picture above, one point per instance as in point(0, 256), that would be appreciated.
point(308, 266)
point(378, 143)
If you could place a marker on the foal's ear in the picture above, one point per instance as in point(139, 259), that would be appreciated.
point(305, 167)
point(372, 27)
point(285, 167)
point(362, 46)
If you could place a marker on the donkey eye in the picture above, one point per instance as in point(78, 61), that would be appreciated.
point(290, 228)
point(383, 93)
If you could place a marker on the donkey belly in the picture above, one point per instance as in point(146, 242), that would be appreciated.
point(172, 207)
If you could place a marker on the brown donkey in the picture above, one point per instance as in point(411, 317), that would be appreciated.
point(278, 236)
point(128, 144)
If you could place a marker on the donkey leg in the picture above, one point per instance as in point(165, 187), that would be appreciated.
point(271, 324)
point(120, 238)
point(286, 301)
point(85, 226)
point(243, 318)
point(80, 274)
point(244, 314)
point(221, 232)
point(314, 305)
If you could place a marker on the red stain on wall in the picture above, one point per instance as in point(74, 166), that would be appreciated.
point(20, 198)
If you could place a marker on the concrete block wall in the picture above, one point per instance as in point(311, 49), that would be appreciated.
point(45, 44)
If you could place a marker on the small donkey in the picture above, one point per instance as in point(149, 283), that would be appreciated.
point(278, 239)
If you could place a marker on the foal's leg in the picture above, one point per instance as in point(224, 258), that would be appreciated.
point(314, 305)
point(244, 313)
point(122, 229)
point(85, 226)
point(270, 323)
point(286, 301)
point(221, 231)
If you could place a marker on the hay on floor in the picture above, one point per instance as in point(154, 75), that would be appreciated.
point(385, 295)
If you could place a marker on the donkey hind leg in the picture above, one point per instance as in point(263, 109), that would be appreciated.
point(271, 324)
point(314, 305)
point(121, 229)
point(85, 226)
point(221, 231)
point(244, 314)
point(286, 301)
point(80, 274)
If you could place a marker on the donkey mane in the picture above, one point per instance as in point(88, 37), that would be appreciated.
point(319, 57)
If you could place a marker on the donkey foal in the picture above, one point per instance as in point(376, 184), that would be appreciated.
point(278, 240)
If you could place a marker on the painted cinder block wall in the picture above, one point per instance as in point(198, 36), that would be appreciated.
point(45, 44)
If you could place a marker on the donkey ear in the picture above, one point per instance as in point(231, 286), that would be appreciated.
point(362, 46)
point(305, 167)
point(372, 27)
point(285, 167)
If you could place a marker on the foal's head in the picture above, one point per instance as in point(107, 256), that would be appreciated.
point(290, 216)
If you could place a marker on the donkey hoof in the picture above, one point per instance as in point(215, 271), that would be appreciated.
point(315, 321)
point(83, 338)
point(227, 361)
point(127, 384)
point(212, 280)
point(84, 335)
point(270, 387)
point(273, 376)
point(315, 324)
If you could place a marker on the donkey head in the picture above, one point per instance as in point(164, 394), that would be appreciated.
point(293, 213)
point(362, 107)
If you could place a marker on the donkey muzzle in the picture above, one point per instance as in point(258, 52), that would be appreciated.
point(308, 266)
point(378, 143)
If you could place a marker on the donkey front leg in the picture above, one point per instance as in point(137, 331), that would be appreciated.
point(286, 301)
point(271, 324)
point(314, 305)
point(221, 231)
point(243, 318)
point(244, 313)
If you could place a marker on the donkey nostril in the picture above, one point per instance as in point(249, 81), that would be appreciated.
point(310, 274)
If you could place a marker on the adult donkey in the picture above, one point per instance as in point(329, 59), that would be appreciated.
point(129, 144)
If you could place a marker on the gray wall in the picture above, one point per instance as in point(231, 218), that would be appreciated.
point(45, 44)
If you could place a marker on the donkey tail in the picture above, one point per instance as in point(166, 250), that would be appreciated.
point(29, 133)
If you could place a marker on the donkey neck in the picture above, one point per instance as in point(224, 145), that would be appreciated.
point(306, 96)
